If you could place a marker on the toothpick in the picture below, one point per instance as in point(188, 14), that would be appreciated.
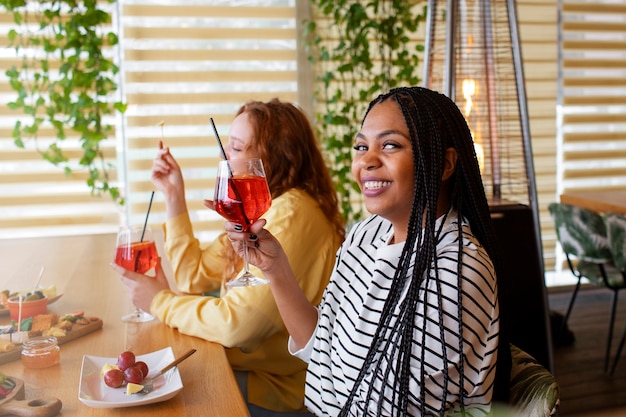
point(19, 313)
point(39, 278)
point(161, 124)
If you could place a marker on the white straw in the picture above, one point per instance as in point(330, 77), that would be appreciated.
point(39, 278)
point(19, 313)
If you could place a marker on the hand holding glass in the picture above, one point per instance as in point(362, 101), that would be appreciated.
point(242, 196)
point(136, 251)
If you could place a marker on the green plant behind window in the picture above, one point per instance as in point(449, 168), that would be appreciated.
point(65, 82)
point(358, 50)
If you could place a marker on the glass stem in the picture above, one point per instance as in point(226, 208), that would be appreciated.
point(246, 271)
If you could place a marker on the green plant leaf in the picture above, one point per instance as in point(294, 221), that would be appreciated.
point(71, 34)
point(359, 50)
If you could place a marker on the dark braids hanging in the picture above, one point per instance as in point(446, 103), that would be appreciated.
point(435, 124)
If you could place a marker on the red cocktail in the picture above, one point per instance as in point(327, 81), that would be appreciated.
point(242, 196)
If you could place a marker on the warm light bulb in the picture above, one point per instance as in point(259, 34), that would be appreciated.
point(480, 155)
point(469, 88)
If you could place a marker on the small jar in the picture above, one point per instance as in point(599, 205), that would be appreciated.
point(41, 352)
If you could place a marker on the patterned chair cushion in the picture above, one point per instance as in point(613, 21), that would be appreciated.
point(583, 235)
point(590, 270)
point(581, 232)
point(616, 232)
point(534, 391)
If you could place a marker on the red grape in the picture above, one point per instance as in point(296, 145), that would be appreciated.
point(143, 366)
point(114, 378)
point(125, 360)
point(133, 374)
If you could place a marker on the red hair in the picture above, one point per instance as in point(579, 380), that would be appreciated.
point(285, 142)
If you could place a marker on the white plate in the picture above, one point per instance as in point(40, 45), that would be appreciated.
point(93, 392)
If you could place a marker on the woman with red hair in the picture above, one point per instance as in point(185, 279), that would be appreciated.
point(246, 320)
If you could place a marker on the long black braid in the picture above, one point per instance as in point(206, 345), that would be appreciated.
point(435, 124)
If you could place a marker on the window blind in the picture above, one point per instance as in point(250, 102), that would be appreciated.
point(181, 63)
point(591, 111)
point(185, 62)
point(537, 21)
point(592, 95)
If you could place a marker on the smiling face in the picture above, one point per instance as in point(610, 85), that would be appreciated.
point(240, 139)
point(383, 165)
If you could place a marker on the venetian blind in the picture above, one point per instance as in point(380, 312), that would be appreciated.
point(591, 117)
point(185, 62)
point(592, 94)
point(182, 62)
point(537, 21)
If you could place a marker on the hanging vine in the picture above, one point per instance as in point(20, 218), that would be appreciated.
point(358, 50)
point(65, 81)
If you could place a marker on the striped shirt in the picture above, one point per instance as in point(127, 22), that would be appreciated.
point(350, 312)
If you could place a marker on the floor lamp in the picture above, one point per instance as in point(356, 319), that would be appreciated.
point(473, 56)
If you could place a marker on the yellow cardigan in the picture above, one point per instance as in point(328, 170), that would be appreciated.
point(246, 320)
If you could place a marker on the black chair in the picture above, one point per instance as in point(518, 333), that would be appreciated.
point(583, 237)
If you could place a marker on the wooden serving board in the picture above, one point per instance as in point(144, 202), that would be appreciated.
point(14, 404)
point(78, 330)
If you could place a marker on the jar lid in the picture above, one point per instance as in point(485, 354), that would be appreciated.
point(40, 343)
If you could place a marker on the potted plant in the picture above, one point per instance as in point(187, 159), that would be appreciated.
point(66, 82)
point(358, 50)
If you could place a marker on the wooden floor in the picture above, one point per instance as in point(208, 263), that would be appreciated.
point(585, 388)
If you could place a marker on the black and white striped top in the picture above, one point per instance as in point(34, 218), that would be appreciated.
point(350, 312)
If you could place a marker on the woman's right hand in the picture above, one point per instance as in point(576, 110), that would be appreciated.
point(166, 174)
point(143, 288)
point(168, 178)
point(264, 250)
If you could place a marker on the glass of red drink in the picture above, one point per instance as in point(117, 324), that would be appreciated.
point(242, 196)
point(136, 251)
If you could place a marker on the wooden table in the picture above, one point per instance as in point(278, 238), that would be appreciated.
point(79, 267)
point(602, 201)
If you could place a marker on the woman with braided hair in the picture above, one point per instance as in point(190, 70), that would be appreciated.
point(409, 323)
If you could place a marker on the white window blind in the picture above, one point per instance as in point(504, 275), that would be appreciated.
point(185, 62)
point(591, 103)
point(592, 95)
point(181, 63)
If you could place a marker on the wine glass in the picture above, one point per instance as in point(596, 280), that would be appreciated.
point(242, 196)
point(136, 251)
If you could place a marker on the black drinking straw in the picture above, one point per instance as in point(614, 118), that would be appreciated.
point(143, 230)
point(230, 172)
point(219, 142)
point(145, 222)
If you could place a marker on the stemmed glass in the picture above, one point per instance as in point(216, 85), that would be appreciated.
point(242, 196)
point(136, 251)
